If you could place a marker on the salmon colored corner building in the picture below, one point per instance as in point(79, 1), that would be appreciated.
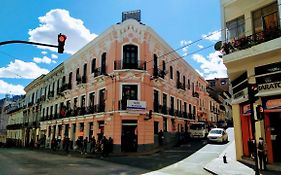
point(127, 84)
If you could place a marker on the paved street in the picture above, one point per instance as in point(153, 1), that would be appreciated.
point(27, 162)
point(22, 161)
point(177, 160)
point(194, 164)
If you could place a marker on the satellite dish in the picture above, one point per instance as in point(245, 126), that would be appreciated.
point(218, 45)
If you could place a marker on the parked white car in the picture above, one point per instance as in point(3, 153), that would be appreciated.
point(218, 135)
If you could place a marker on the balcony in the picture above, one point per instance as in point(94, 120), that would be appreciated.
point(257, 43)
point(99, 71)
point(30, 104)
point(180, 85)
point(122, 104)
point(195, 94)
point(119, 65)
point(65, 86)
point(172, 111)
point(156, 107)
point(81, 80)
point(51, 94)
point(158, 73)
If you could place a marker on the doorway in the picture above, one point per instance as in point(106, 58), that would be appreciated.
point(275, 135)
point(129, 137)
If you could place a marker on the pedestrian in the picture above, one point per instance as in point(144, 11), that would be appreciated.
point(104, 147)
point(160, 137)
point(93, 145)
point(110, 145)
point(66, 144)
point(262, 153)
point(85, 143)
point(251, 146)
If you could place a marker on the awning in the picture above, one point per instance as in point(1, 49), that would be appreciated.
point(268, 93)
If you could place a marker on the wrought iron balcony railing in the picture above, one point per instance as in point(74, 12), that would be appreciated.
point(139, 65)
point(251, 40)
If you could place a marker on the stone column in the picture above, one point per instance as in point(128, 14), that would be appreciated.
point(77, 130)
point(57, 131)
point(86, 129)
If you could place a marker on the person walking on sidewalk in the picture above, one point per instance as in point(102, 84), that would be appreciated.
point(262, 153)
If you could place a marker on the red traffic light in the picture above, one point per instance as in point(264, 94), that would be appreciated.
point(61, 42)
point(62, 38)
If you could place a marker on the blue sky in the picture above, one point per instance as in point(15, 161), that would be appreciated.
point(178, 22)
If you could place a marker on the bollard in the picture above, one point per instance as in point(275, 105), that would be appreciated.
point(224, 159)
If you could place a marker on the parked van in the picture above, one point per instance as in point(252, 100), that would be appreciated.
point(198, 130)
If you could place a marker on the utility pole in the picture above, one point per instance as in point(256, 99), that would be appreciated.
point(251, 93)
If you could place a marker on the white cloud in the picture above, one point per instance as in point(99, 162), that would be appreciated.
point(212, 66)
point(212, 36)
point(44, 52)
point(200, 46)
point(186, 44)
point(54, 56)
point(45, 59)
point(21, 69)
point(6, 88)
point(59, 21)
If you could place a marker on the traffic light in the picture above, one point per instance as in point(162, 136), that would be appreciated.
point(259, 112)
point(61, 42)
point(149, 115)
point(252, 91)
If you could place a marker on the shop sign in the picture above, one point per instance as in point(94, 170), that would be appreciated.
point(273, 104)
point(269, 86)
point(136, 105)
point(246, 109)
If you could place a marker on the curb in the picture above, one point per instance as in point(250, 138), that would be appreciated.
point(210, 171)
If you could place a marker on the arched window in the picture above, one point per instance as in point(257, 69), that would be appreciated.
point(171, 72)
point(130, 56)
point(103, 63)
point(93, 65)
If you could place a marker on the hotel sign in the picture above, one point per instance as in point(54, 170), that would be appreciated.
point(136, 105)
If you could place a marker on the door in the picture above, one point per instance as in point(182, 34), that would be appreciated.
point(275, 120)
point(129, 138)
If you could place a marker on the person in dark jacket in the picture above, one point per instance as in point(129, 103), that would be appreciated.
point(261, 147)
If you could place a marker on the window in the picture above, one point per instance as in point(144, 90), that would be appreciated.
point(130, 92)
point(103, 64)
point(85, 69)
point(223, 82)
point(83, 101)
point(172, 103)
point(235, 28)
point(130, 56)
point(102, 96)
point(265, 18)
point(92, 99)
point(93, 65)
point(178, 76)
point(171, 72)
point(78, 77)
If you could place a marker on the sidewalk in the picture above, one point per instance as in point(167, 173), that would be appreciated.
point(232, 167)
